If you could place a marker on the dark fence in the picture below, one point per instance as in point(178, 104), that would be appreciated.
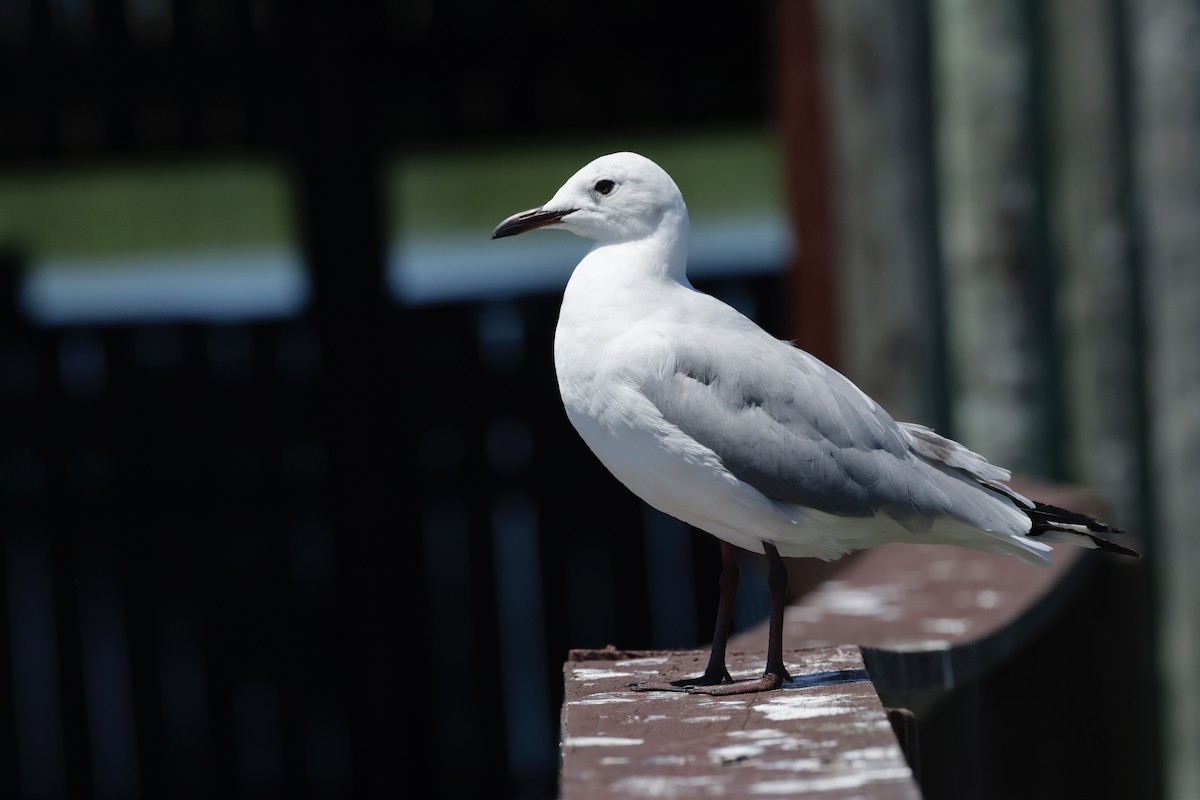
point(343, 553)
point(199, 602)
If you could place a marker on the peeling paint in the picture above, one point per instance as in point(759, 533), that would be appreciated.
point(918, 646)
point(667, 786)
point(800, 743)
point(815, 733)
point(708, 702)
point(891, 752)
point(601, 700)
point(585, 674)
point(760, 733)
point(803, 706)
point(648, 661)
point(793, 764)
point(830, 783)
point(602, 741)
point(669, 761)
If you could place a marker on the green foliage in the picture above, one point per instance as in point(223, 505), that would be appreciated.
point(126, 208)
point(121, 208)
point(472, 190)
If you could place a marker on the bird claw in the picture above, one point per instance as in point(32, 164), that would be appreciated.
point(655, 686)
point(768, 682)
point(683, 684)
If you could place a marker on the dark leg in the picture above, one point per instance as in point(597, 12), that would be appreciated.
point(776, 673)
point(777, 581)
point(716, 672)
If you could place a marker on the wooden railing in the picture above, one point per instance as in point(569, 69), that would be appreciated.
point(896, 657)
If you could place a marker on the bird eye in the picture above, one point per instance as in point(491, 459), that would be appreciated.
point(604, 186)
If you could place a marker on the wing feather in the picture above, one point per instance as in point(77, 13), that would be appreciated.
point(800, 433)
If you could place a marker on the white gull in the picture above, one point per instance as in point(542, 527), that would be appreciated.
point(712, 420)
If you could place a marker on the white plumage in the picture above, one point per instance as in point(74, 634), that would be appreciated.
point(712, 420)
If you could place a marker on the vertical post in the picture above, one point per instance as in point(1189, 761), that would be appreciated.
point(1166, 131)
point(1092, 248)
point(801, 123)
point(886, 233)
point(336, 146)
point(988, 202)
point(1100, 318)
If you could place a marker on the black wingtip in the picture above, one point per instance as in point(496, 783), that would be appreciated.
point(1107, 546)
point(1113, 547)
point(1048, 517)
point(1052, 518)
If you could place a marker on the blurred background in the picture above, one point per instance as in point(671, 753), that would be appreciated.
point(289, 504)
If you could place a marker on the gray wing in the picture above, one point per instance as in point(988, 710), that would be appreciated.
point(791, 427)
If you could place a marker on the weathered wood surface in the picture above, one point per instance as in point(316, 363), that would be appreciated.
point(1092, 243)
point(886, 238)
point(927, 618)
point(808, 178)
point(988, 220)
point(1166, 135)
point(825, 734)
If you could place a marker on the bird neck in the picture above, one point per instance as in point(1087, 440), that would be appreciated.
point(661, 254)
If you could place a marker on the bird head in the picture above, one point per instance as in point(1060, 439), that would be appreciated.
point(618, 197)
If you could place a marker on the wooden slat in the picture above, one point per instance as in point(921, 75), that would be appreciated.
point(807, 155)
point(1096, 291)
point(885, 235)
point(825, 735)
point(1166, 138)
point(988, 219)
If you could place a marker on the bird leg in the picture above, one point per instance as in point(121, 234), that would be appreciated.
point(716, 673)
point(776, 674)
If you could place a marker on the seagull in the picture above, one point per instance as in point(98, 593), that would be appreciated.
point(710, 419)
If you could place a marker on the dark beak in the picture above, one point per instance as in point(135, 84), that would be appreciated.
point(528, 220)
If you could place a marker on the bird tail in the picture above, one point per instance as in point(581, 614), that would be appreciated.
point(1054, 524)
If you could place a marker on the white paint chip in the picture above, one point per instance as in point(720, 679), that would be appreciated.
point(650, 661)
point(760, 733)
point(793, 764)
point(602, 741)
point(806, 706)
point(586, 674)
point(878, 753)
point(668, 786)
point(830, 783)
point(601, 700)
point(918, 646)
